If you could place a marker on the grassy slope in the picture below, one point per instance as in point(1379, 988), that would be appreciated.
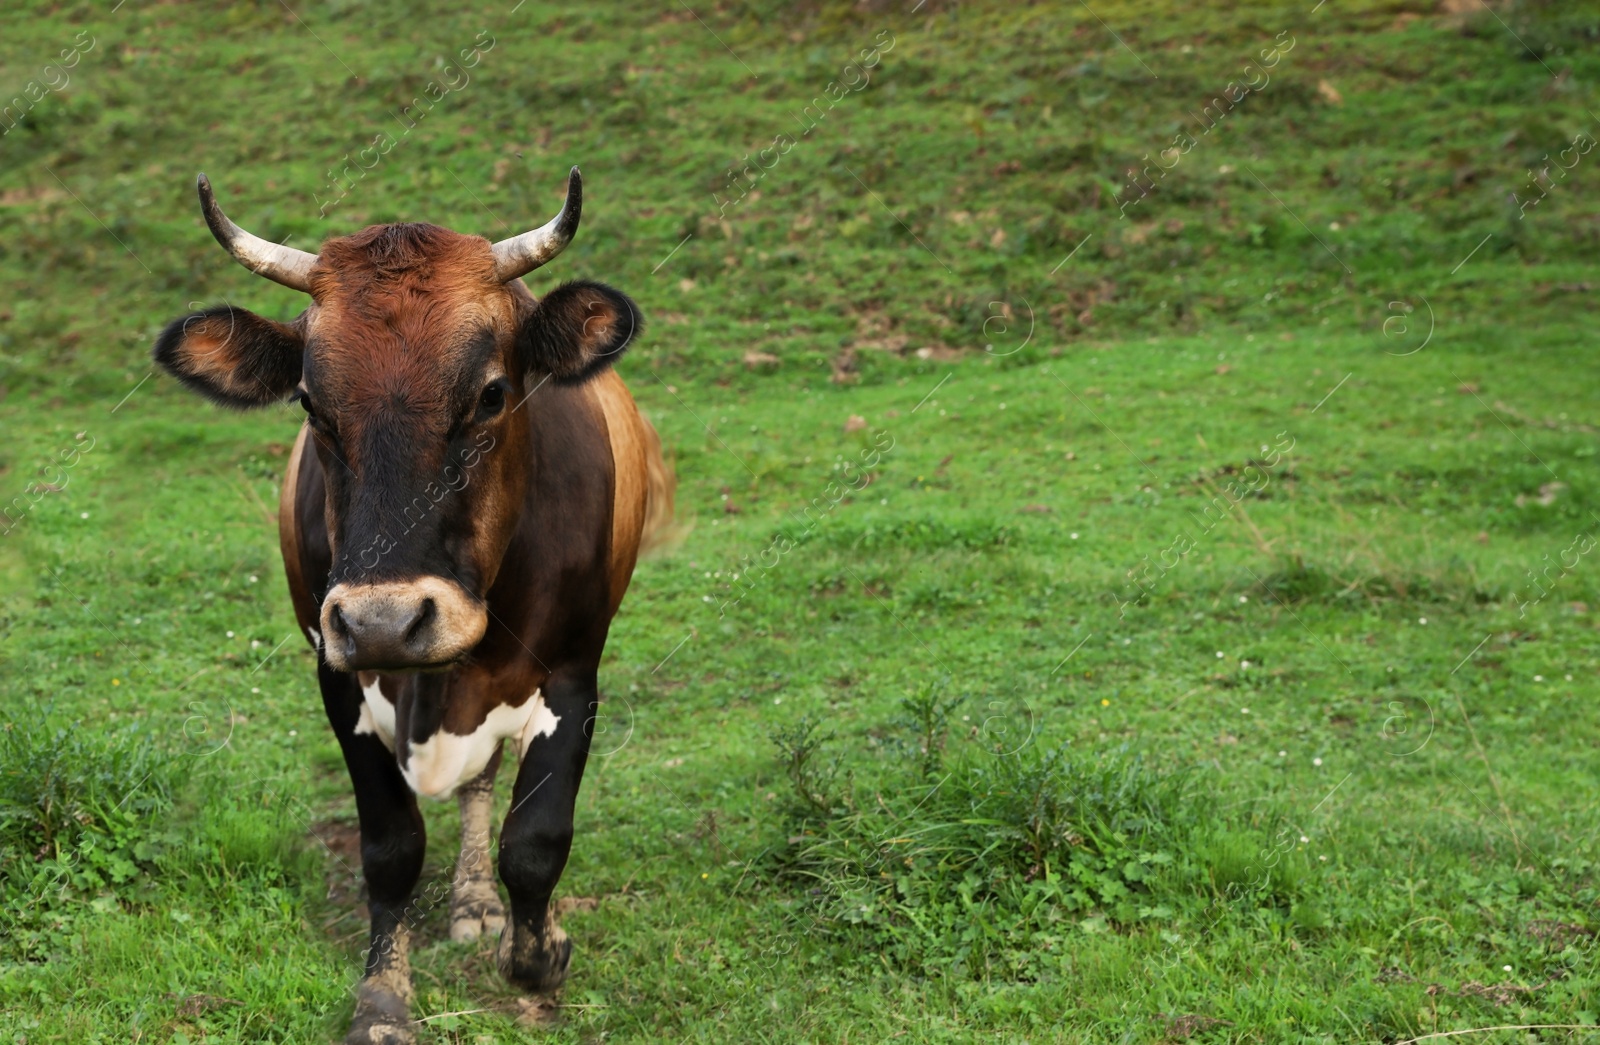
point(1168, 350)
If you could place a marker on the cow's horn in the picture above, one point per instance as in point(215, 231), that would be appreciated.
point(520, 255)
point(275, 261)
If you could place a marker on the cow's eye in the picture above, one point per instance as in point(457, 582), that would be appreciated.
point(493, 399)
point(305, 404)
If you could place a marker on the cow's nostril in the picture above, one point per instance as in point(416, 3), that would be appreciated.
point(423, 619)
point(336, 622)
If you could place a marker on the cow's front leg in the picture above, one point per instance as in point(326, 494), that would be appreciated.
point(475, 907)
point(534, 952)
point(392, 845)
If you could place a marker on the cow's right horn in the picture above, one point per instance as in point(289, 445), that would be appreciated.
point(275, 261)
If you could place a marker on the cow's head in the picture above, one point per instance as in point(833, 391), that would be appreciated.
point(414, 361)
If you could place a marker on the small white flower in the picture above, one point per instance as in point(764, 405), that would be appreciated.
point(83, 515)
point(1219, 654)
point(1244, 664)
point(1244, 711)
point(1303, 838)
point(294, 732)
point(254, 578)
point(1538, 678)
point(255, 689)
point(1283, 754)
point(1322, 858)
point(1073, 536)
point(1244, 598)
point(777, 700)
point(230, 634)
point(1422, 620)
point(1316, 761)
point(1507, 968)
point(1569, 677)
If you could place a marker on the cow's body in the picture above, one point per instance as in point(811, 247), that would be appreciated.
point(460, 519)
point(564, 575)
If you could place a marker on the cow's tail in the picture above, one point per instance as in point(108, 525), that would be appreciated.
point(662, 530)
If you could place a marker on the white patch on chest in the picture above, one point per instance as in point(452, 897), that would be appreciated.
point(437, 766)
point(316, 639)
point(542, 722)
point(377, 714)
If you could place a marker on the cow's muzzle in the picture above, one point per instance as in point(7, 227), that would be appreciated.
point(412, 625)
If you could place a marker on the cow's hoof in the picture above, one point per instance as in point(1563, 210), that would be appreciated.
point(541, 1010)
point(533, 964)
point(470, 919)
point(379, 1030)
point(381, 1019)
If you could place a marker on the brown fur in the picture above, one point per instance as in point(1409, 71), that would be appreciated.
point(661, 528)
point(631, 492)
point(288, 530)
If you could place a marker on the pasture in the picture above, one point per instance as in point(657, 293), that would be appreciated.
point(1107, 610)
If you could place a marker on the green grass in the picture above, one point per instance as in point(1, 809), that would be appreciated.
point(1060, 755)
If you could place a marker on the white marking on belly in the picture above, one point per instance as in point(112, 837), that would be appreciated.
point(316, 639)
point(437, 766)
point(377, 713)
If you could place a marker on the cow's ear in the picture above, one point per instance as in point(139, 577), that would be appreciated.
point(232, 357)
point(577, 330)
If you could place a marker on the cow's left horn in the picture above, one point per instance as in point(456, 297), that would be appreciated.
point(275, 261)
point(520, 255)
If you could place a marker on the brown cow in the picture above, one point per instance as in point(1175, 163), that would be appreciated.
point(460, 518)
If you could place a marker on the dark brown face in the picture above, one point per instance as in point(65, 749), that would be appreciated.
point(415, 365)
point(409, 381)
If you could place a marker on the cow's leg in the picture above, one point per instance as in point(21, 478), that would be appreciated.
point(392, 845)
point(475, 906)
point(534, 952)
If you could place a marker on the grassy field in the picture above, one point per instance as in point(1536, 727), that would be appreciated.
point(1209, 653)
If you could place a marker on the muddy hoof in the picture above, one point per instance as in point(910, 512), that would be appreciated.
point(534, 965)
point(382, 1018)
point(380, 1029)
point(539, 1011)
point(474, 918)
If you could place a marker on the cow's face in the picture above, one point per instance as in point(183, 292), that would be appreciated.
point(414, 363)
